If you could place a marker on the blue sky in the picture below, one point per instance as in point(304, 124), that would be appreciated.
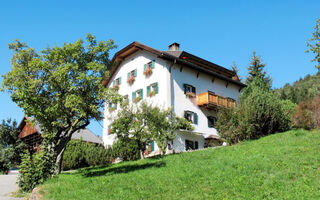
point(219, 31)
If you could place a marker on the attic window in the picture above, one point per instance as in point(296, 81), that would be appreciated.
point(189, 90)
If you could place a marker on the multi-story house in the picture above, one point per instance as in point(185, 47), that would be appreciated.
point(194, 87)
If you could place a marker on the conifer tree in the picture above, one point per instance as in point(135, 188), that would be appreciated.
point(256, 69)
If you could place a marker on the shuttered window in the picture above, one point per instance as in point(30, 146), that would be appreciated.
point(191, 116)
point(189, 88)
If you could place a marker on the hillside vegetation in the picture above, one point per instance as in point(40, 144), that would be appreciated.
point(279, 166)
point(304, 89)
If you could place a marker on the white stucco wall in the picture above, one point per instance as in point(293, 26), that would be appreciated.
point(160, 74)
point(202, 83)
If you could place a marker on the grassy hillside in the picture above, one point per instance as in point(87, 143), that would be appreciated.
point(280, 166)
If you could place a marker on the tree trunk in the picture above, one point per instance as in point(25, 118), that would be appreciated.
point(59, 159)
point(141, 154)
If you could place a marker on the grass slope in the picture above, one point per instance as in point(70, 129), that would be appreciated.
point(280, 166)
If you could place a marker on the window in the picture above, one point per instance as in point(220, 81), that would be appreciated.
point(191, 145)
point(126, 98)
point(117, 81)
point(152, 89)
point(112, 107)
point(189, 90)
point(191, 116)
point(137, 94)
point(133, 73)
point(149, 65)
point(211, 121)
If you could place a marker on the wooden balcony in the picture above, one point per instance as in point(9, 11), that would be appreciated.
point(212, 101)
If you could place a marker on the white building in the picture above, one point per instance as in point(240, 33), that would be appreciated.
point(195, 88)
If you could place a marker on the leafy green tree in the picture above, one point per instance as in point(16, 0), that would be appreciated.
point(10, 145)
point(256, 69)
point(314, 44)
point(144, 123)
point(260, 112)
point(61, 86)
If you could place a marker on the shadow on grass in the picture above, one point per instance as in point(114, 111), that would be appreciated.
point(123, 169)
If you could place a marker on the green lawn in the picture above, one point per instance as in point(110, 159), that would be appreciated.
point(280, 166)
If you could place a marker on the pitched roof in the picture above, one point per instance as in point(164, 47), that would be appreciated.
point(84, 134)
point(180, 57)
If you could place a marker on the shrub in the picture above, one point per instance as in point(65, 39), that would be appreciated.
point(35, 168)
point(126, 148)
point(260, 112)
point(80, 154)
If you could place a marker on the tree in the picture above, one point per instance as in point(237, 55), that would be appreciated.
point(314, 44)
point(256, 69)
point(143, 123)
point(235, 69)
point(60, 87)
point(11, 146)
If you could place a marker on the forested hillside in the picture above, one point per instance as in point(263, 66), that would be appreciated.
point(304, 89)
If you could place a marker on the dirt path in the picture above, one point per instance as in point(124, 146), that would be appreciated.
point(7, 186)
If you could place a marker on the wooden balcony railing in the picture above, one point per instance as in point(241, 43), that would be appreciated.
point(211, 100)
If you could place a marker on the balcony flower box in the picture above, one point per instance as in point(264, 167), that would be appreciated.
point(131, 80)
point(136, 100)
point(116, 87)
point(152, 93)
point(148, 71)
point(190, 94)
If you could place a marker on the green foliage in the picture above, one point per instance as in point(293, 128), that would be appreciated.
point(260, 112)
point(126, 148)
point(279, 166)
point(10, 145)
point(302, 90)
point(256, 69)
point(144, 123)
point(60, 87)
point(82, 154)
point(307, 115)
point(314, 44)
point(35, 168)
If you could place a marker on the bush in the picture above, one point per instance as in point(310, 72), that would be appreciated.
point(35, 169)
point(80, 154)
point(126, 148)
point(260, 112)
point(307, 115)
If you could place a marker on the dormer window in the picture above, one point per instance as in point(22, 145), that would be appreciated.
point(189, 90)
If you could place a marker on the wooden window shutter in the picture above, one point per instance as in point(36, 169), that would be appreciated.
point(115, 106)
point(110, 105)
point(185, 115)
point(156, 88)
point(185, 88)
point(152, 146)
point(128, 75)
point(148, 90)
point(152, 65)
point(135, 73)
point(195, 118)
point(141, 94)
point(133, 95)
point(119, 81)
point(114, 82)
point(145, 67)
point(196, 145)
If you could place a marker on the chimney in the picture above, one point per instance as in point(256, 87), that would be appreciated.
point(174, 47)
